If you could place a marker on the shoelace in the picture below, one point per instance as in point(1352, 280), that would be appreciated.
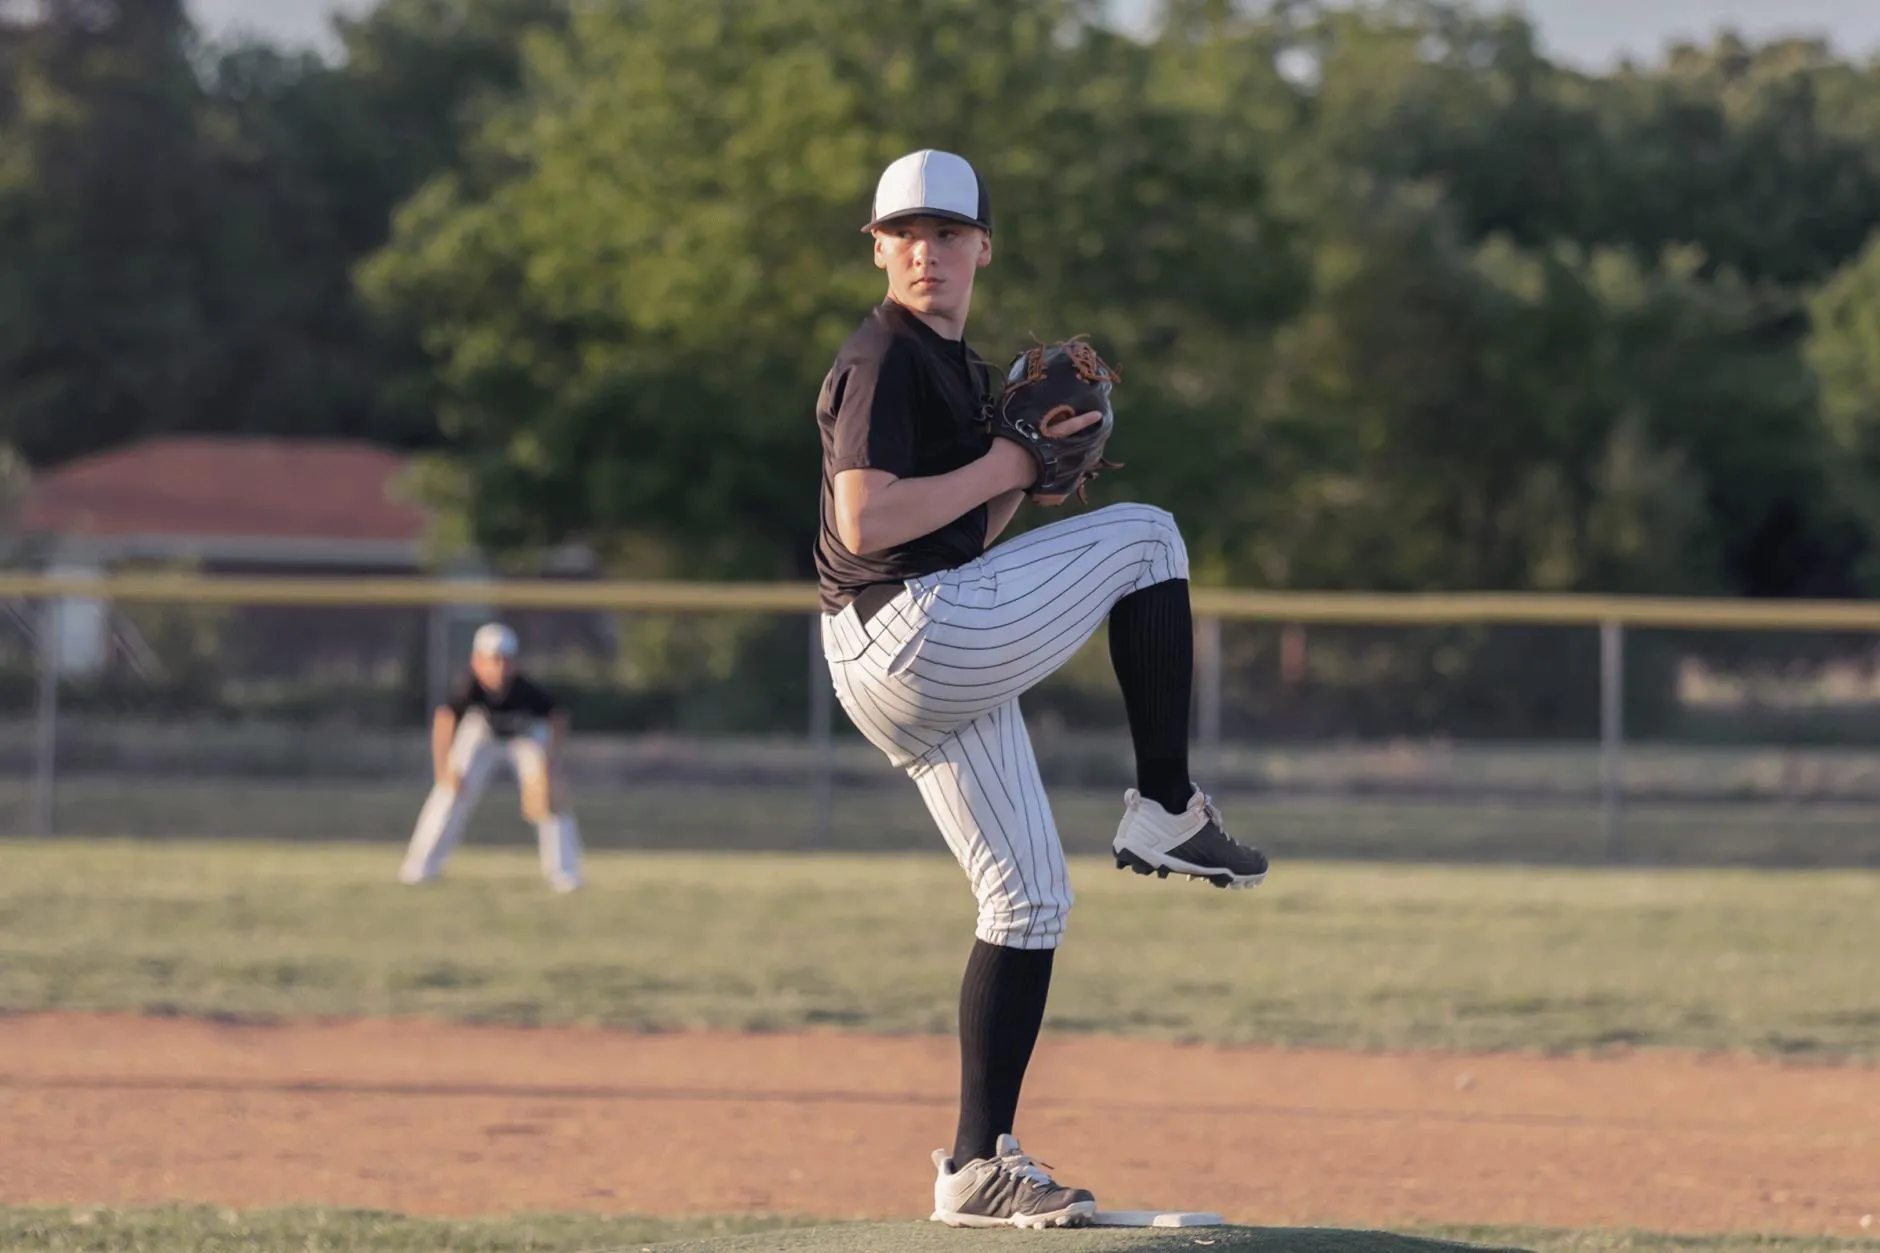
point(1022, 1166)
point(1220, 823)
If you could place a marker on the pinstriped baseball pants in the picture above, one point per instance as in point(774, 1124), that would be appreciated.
point(934, 678)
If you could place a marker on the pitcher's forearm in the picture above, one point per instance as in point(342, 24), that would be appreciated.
point(999, 513)
point(876, 511)
point(907, 509)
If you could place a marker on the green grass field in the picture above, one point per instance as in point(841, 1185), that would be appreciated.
point(888, 817)
point(1349, 955)
point(1344, 954)
point(208, 1230)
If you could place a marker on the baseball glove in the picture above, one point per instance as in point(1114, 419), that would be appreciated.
point(1045, 386)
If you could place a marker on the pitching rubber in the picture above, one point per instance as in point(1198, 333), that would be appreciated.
point(1154, 1218)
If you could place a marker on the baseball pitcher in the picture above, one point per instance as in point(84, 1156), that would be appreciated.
point(933, 634)
point(495, 711)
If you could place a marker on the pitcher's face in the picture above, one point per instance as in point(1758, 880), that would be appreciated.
point(931, 263)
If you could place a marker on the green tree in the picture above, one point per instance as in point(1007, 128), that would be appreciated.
point(1448, 416)
point(186, 217)
point(105, 201)
point(1844, 350)
point(634, 287)
point(1731, 148)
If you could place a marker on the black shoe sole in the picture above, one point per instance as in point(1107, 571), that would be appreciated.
point(1127, 860)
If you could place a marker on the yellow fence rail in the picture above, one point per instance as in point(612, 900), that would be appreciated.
point(1350, 608)
point(1611, 616)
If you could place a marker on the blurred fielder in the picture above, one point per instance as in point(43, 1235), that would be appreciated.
point(496, 711)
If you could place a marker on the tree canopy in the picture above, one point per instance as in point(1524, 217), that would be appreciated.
point(1399, 302)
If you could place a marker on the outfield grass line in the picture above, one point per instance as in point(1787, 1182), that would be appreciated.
point(1464, 826)
point(1352, 956)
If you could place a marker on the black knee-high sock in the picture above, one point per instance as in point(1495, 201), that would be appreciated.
point(1001, 1008)
point(1152, 647)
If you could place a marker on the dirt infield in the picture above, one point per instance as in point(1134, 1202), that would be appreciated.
point(425, 1118)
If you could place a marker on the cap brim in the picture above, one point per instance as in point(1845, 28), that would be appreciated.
point(945, 215)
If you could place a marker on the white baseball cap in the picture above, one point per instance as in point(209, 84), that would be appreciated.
point(934, 184)
point(494, 640)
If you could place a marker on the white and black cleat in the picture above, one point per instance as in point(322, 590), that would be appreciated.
point(1008, 1189)
point(1195, 843)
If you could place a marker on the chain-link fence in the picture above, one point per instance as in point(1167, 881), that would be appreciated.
point(715, 729)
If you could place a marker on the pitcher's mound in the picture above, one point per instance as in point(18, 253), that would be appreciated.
point(936, 1238)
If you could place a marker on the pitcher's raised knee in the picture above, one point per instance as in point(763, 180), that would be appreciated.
point(1155, 528)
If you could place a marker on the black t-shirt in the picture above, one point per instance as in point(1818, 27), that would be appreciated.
point(511, 711)
point(903, 398)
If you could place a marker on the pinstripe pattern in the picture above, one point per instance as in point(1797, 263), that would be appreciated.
point(934, 680)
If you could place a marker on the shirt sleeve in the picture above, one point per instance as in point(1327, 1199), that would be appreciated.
point(461, 690)
point(874, 414)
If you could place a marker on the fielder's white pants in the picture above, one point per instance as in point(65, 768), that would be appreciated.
point(933, 681)
point(474, 752)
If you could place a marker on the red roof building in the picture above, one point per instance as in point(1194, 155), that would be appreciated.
point(253, 505)
point(228, 499)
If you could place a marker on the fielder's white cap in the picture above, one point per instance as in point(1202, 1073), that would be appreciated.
point(931, 184)
point(494, 640)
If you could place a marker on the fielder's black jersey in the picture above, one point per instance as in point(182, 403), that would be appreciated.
point(903, 398)
point(512, 711)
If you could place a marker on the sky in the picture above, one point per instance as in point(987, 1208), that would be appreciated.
point(1591, 33)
